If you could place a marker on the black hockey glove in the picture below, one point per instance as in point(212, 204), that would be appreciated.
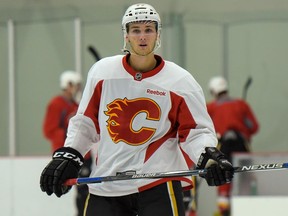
point(218, 173)
point(65, 164)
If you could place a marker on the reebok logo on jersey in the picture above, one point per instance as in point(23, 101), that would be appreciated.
point(156, 92)
point(122, 114)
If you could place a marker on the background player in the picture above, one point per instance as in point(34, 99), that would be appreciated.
point(58, 113)
point(235, 124)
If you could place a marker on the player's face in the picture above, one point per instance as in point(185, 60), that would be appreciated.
point(142, 37)
point(74, 89)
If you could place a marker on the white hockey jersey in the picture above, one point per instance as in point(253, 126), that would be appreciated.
point(147, 122)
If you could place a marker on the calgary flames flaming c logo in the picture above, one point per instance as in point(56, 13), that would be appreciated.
point(122, 113)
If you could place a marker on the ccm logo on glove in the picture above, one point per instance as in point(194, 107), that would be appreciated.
point(68, 155)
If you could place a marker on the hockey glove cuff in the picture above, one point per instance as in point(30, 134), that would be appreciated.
point(65, 164)
point(220, 171)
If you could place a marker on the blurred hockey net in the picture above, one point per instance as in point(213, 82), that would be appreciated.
point(260, 183)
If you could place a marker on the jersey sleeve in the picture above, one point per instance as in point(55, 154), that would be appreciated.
point(196, 130)
point(83, 129)
point(250, 120)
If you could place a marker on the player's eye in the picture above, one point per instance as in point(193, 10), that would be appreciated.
point(149, 30)
point(135, 31)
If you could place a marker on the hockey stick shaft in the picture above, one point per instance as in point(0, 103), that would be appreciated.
point(94, 53)
point(246, 86)
point(248, 168)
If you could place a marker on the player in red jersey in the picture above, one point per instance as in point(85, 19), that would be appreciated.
point(60, 109)
point(235, 124)
point(58, 113)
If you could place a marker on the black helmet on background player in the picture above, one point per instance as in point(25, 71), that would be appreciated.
point(141, 12)
point(217, 85)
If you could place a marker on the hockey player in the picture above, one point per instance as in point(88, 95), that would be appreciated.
point(147, 115)
point(235, 124)
point(59, 110)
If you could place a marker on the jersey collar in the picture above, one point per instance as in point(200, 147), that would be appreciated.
point(138, 75)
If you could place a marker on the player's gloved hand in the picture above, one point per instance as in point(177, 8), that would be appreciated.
point(218, 173)
point(65, 164)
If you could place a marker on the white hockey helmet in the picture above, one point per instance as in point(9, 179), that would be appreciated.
point(217, 85)
point(69, 77)
point(141, 12)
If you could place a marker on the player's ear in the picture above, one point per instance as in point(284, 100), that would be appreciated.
point(127, 39)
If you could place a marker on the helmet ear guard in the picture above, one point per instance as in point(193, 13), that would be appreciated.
point(141, 13)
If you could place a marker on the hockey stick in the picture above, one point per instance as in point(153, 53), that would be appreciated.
point(94, 53)
point(129, 175)
point(246, 86)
